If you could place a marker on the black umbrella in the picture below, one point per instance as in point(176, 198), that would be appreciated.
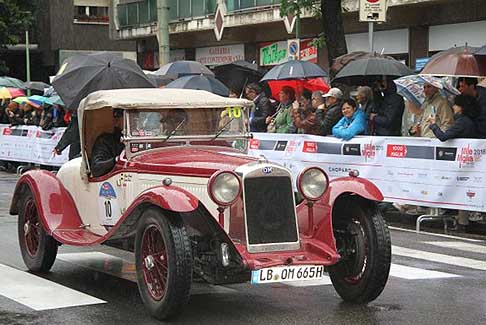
point(200, 82)
point(83, 74)
point(238, 74)
point(36, 85)
point(184, 68)
point(372, 67)
point(295, 70)
point(160, 81)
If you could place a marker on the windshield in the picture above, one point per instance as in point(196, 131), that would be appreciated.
point(209, 126)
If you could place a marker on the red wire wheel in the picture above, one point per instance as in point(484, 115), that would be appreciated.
point(32, 228)
point(155, 262)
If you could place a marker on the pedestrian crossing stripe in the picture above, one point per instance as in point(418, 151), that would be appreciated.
point(466, 247)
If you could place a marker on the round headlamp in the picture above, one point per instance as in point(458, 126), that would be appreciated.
point(312, 183)
point(224, 188)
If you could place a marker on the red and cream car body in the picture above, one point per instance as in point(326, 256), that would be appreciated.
point(188, 201)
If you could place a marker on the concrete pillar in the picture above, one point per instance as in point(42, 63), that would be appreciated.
point(418, 43)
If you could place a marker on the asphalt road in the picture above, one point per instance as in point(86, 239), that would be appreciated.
point(434, 280)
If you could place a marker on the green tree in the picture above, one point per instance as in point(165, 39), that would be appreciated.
point(330, 14)
point(15, 19)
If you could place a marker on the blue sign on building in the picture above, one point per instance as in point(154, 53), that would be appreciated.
point(420, 63)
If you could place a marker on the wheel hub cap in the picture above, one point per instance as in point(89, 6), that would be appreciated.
point(26, 228)
point(149, 262)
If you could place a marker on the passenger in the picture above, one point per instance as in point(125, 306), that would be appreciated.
point(466, 109)
point(332, 113)
point(107, 147)
point(352, 123)
point(233, 93)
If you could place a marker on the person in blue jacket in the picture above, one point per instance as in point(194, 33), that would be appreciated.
point(352, 123)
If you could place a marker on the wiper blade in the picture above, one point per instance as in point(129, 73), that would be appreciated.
point(221, 130)
point(177, 128)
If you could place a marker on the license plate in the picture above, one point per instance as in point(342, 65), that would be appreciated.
point(287, 273)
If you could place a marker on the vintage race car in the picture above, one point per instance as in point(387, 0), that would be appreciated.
point(189, 202)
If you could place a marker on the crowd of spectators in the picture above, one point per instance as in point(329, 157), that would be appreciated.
point(378, 110)
point(26, 113)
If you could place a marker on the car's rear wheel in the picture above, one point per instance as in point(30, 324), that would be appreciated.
point(363, 241)
point(39, 250)
point(164, 263)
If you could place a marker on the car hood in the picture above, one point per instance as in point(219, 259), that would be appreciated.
point(190, 160)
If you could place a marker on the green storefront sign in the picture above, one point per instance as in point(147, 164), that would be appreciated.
point(274, 53)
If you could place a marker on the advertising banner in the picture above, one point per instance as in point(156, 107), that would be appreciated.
point(417, 171)
point(218, 55)
point(274, 53)
point(29, 143)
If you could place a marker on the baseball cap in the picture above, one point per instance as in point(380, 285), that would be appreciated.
point(334, 92)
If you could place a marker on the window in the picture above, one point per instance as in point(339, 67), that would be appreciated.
point(233, 5)
point(91, 14)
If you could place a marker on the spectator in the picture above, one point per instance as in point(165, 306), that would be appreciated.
point(46, 118)
point(465, 111)
point(304, 115)
point(14, 113)
point(263, 108)
point(58, 116)
point(3, 111)
point(317, 100)
point(387, 121)
point(332, 113)
point(365, 103)
point(411, 115)
point(352, 123)
point(283, 121)
point(70, 138)
point(434, 105)
point(469, 86)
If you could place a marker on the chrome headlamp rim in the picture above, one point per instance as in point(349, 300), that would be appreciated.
point(301, 188)
point(211, 188)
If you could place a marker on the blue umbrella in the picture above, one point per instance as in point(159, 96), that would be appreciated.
point(294, 69)
point(411, 87)
point(40, 100)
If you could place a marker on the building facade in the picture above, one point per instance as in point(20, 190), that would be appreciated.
point(63, 28)
point(254, 30)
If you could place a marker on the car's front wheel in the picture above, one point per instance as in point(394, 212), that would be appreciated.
point(163, 260)
point(39, 250)
point(363, 241)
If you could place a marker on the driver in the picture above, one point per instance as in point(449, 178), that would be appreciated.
point(107, 147)
point(173, 120)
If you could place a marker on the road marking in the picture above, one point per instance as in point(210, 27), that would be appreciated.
point(440, 258)
point(124, 269)
point(38, 293)
point(435, 235)
point(413, 273)
point(466, 247)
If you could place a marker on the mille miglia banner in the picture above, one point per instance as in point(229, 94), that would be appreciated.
point(418, 171)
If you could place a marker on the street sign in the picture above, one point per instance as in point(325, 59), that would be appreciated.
point(372, 10)
point(293, 49)
point(289, 22)
point(219, 23)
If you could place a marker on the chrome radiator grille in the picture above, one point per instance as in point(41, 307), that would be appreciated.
point(270, 214)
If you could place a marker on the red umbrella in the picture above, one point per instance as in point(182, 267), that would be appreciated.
point(312, 84)
point(457, 61)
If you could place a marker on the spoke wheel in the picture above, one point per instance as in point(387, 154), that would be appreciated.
point(39, 250)
point(163, 259)
point(363, 241)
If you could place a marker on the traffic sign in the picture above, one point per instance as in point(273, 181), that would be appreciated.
point(293, 49)
point(372, 10)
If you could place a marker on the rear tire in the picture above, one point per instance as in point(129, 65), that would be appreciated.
point(363, 240)
point(163, 260)
point(39, 250)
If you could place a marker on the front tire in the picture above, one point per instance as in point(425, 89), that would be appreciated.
point(39, 250)
point(163, 260)
point(363, 241)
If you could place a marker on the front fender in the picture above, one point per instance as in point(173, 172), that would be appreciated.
point(170, 198)
point(352, 185)
point(54, 204)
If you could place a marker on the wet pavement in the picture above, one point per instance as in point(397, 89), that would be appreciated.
point(434, 279)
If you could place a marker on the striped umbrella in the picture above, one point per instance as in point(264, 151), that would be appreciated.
point(10, 92)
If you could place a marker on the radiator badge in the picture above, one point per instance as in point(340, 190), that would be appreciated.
point(267, 170)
